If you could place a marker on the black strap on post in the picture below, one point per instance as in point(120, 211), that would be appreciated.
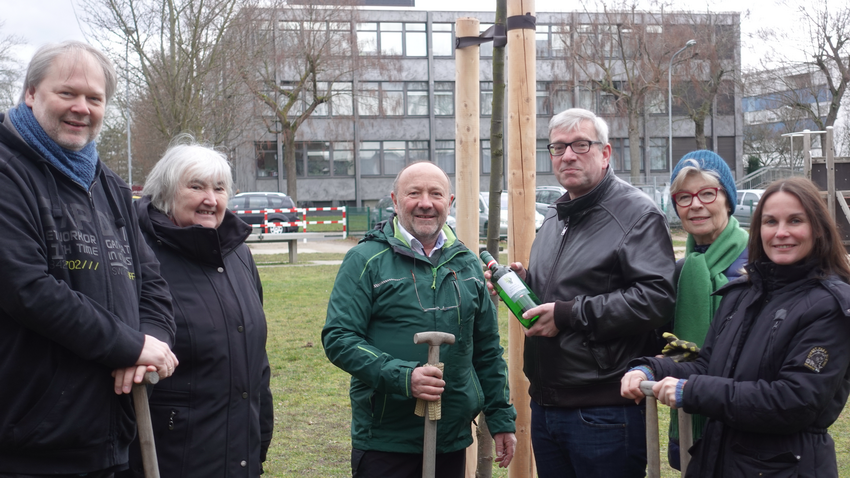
point(496, 34)
point(522, 22)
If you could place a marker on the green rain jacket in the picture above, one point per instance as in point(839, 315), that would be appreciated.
point(383, 295)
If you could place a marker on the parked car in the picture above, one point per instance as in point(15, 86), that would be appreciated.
point(260, 201)
point(546, 195)
point(484, 215)
point(382, 211)
point(746, 203)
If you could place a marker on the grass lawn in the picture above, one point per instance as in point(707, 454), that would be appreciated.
point(312, 414)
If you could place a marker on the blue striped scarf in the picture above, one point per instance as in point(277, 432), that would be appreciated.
point(80, 165)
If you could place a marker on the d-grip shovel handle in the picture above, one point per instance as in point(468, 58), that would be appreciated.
point(143, 423)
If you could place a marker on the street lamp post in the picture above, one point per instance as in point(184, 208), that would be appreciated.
point(129, 32)
point(689, 44)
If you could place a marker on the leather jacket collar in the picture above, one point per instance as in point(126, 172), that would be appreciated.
point(567, 207)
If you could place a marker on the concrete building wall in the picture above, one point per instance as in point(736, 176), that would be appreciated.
point(434, 130)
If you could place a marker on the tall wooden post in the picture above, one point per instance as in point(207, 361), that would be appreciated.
point(467, 143)
point(467, 135)
point(522, 177)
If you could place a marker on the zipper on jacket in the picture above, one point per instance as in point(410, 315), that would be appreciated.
point(565, 237)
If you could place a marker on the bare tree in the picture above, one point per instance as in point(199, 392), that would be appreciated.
point(297, 59)
point(814, 60)
point(623, 53)
point(709, 72)
point(10, 71)
point(763, 138)
point(178, 65)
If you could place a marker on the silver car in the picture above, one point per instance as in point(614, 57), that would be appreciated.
point(745, 204)
point(484, 215)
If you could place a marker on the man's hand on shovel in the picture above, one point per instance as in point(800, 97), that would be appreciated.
point(156, 356)
point(427, 383)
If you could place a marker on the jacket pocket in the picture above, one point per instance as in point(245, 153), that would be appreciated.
point(745, 462)
point(26, 430)
point(172, 428)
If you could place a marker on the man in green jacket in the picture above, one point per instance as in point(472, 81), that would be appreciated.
point(411, 274)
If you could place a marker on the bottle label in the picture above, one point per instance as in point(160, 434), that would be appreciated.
point(511, 284)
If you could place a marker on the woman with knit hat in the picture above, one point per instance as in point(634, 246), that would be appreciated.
point(704, 193)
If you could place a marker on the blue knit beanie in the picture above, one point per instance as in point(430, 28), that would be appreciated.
point(710, 161)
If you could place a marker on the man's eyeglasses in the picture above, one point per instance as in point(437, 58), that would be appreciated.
point(705, 195)
point(579, 147)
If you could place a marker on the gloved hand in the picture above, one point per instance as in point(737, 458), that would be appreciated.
point(679, 350)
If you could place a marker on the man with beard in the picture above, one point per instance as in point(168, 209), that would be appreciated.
point(84, 312)
point(411, 274)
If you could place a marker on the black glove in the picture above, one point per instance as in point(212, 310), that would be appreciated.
point(679, 350)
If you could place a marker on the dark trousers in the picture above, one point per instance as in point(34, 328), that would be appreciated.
point(381, 464)
point(593, 442)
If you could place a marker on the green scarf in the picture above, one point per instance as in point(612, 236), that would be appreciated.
point(701, 275)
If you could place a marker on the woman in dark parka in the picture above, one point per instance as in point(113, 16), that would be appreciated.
point(773, 374)
point(214, 416)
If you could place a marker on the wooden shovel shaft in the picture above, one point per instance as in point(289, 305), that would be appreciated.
point(143, 424)
point(686, 437)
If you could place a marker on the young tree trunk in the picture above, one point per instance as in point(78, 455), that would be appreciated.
point(485, 449)
point(699, 131)
point(497, 149)
point(634, 143)
point(289, 164)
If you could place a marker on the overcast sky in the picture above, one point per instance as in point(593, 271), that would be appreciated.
point(43, 21)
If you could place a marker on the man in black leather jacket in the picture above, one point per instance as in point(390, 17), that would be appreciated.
point(602, 265)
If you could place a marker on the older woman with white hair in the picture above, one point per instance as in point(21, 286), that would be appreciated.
point(214, 416)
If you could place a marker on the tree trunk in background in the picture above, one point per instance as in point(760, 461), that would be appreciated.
point(497, 148)
point(634, 144)
point(485, 449)
point(699, 132)
point(494, 223)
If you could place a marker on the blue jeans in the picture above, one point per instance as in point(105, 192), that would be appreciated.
point(604, 442)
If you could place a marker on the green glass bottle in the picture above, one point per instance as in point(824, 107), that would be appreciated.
point(513, 290)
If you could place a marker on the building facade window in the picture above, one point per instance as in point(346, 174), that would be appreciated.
point(552, 41)
point(343, 158)
point(445, 152)
point(266, 153)
point(387, 158)
point(608, 102)
point(442, 39)
point(444, 101)
point(486, 91)
point(340, 103)
point(317, 158)
point(485, 49)
point(562, 98)
point(544, 103)
point(486, 157)
point(543, 159)
point(621, 155)
point(658, 156)
point(394, 98)
point(417, 98)
point(541, 40)
point(392, 39)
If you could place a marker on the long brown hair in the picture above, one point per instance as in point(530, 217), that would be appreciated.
point(827, 249)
